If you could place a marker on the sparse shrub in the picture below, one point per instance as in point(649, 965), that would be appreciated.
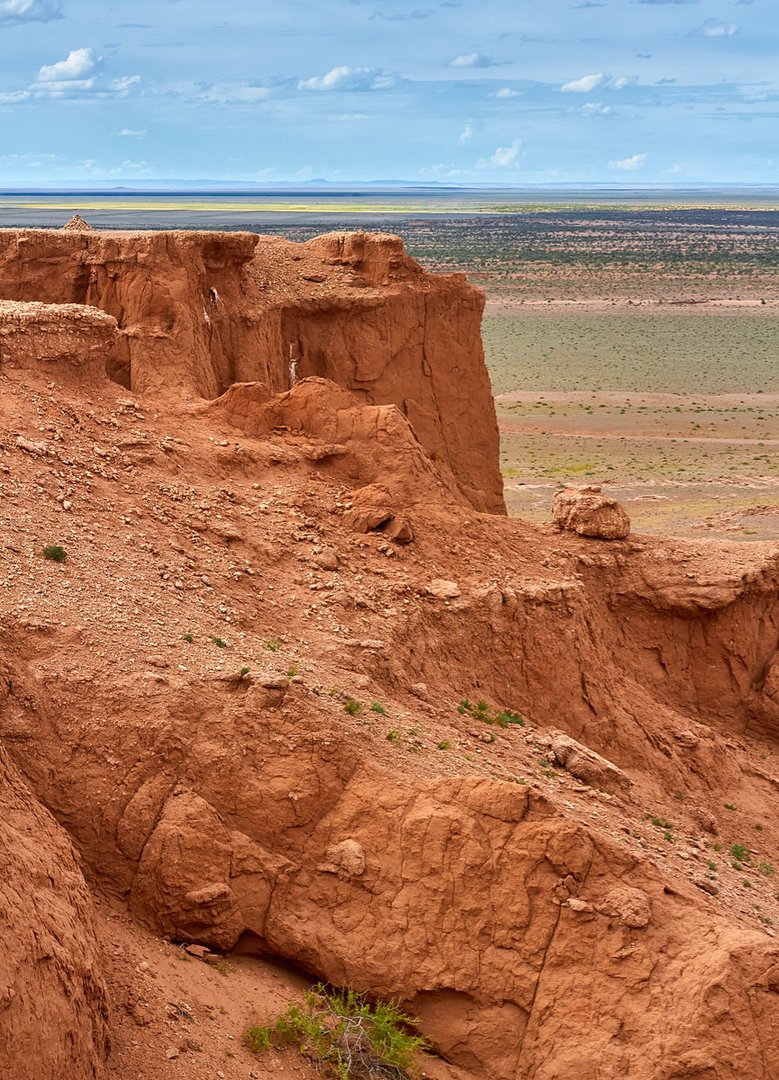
point(444, 744)
point(55, 553)
point(482, 711)
point(344, 1035)
point(740, 852)
point(220, 644)
point(766, 869)
point(273, 644)
point(729, 806)
point(188, 638)
point(377, 707)
point(292, 671)
point(243, 673)
point(393, 735)
point(352, 706)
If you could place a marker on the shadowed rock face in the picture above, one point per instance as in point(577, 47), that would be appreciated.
point(52, 997)
point(198, 312)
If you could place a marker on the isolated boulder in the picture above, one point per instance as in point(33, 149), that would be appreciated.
point(588, 512)
point(588, 766)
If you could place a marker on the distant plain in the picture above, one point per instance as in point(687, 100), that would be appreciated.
point(633, 343)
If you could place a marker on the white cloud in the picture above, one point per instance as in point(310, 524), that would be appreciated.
point(124, 83)
point(630, 164)
point(504, 157)
point(19, 11)
point(584, 85)
point(472, 60)
point(593, 108)
point(505, 92)
point(346, 78)
point(130, 133)
point(12, 96)
point(712, 28)
point(234, 93)
point(78, 64)
point(466, 133)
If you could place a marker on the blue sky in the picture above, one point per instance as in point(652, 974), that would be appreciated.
point(457, 91)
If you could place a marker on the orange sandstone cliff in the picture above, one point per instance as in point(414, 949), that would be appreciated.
point(294, 698)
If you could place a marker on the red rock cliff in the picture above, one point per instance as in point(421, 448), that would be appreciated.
point(200, 311)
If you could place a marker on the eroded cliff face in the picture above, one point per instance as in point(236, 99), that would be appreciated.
point(245, 697)
point(198, 312)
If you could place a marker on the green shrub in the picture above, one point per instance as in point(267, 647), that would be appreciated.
point(377, 707)
point(343, 1034)
point(55, 553)
point(273, 644)
point(352, 706)
point(482, 711)
point(188, 638)
point(220, 644)
point(740, 852)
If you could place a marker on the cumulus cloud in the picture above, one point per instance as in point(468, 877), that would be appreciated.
point(346, 78)
point(12, 96)
point(584, 85)
point(130, 133)
point(473, 60)
point(505, 157)
point(77, 67)
point(124, 84)
point(630, 164)
point(13, 12)
point(505, 92)
point(592, 108)
point(713, 28)
point(466, 133)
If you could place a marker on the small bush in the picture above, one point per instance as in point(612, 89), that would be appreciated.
point(344, 1035)
point(55, 553)
point(243, 673)
point(444, 744)
point(377, 707)
point(393, 735)
point(352, 706)
point(482, 711)
point(220, 644)
point(292, 671)
point(188, 638)
point(273, 644)
point(740, 852)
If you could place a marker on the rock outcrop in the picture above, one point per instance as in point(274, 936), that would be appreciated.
point(53, 1009)
point(198, 312)
point(588, 512)
point(54, 337)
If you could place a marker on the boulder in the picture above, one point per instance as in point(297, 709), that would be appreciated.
point(588, 512)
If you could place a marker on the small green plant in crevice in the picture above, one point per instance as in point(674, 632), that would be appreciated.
point(444, 745)
point(352, 706)
point(393, 735)
point(243, 672)
point(273, 644)
point(729, 806)
point(758, 826)
point(740, 852)
point(482, 711)
point(659, 823)
point(292, 671)
point(346, 1036)
point(377, 707)
point(188, 638)
point(220, 644)
point(55, 553)
point(766, 869)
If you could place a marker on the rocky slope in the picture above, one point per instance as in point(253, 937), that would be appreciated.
point(241, 696)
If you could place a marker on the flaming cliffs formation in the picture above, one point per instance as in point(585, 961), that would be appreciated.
point(292, 686)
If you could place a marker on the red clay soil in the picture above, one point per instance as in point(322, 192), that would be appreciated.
point(291, 697)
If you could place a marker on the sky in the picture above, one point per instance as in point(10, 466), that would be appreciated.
point(509, 92)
